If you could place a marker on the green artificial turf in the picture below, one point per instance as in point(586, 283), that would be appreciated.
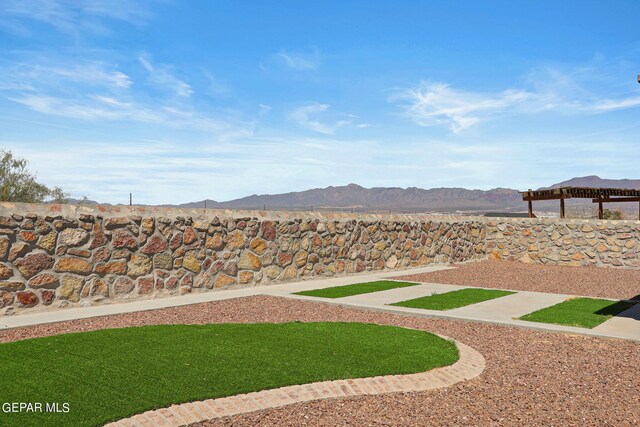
point(581, 312)
point(111, 374)
point(454, 299)
point(357, 289)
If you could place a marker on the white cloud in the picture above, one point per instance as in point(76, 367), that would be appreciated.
point(439, 104)
point(33, 76)
point(71, 16)
point(299, 61)
point(93, 72)
point(70, 108)
point(99, 107)
point(315, 116)
point(586, 89)
point(161, 76)
point(98, 90)
point(156, 171)
point(264, 109)
point(216, 87)
point(432, 104)
point(613, 104)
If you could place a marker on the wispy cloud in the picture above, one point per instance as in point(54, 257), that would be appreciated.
point(264, 109)
point(161, 76)
point(584, 89)
point(70, 16)
point(613, 104)
point(440, 104)
point(432, 104)
point(298, 60)
point(98, 107)
point(216, 87)
point(156, 172)
point(86, 72)
point(316, 117)
point(100, 91)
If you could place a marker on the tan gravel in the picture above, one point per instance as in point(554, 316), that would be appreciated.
point(613, 283)
point(531, 378)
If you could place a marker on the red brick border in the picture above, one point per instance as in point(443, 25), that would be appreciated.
point(470, 365)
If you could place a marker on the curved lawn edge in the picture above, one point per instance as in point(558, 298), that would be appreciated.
point(108, 375)
point(469, 365)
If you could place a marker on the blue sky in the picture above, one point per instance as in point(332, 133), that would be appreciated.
point(178, 101)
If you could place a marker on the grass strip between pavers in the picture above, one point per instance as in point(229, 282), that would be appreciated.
point(580, 312)
point(356, 289)
point(453, 299)
point(111, 374)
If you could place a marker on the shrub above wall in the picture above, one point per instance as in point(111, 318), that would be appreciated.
point(51, 260)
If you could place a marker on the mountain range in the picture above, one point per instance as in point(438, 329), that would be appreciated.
point(356, 198)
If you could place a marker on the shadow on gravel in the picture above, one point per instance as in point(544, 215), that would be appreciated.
point(635, 299)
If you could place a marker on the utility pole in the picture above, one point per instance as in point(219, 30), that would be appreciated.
point(130, 199)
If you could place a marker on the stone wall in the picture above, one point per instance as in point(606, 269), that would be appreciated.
point(57, 256)
point(54, 256)
point(565, 242)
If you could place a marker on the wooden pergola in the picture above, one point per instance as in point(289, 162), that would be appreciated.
point(597, 195)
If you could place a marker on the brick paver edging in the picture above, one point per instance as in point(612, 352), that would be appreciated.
point(470, 365)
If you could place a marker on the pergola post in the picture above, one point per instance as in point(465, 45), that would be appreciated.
point(562, 208)
point(530, 209)
point(600, 211)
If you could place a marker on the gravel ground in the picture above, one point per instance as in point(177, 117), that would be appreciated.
point(531, 378)
point(584, 281)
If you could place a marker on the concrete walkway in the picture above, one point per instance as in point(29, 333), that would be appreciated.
point(61, 315)
point(503, 311)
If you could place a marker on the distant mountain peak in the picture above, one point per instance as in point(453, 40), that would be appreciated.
point(597, 182)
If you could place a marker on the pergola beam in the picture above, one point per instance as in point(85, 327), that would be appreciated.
point(554, 197)
point(597, 195)
point(616, 200)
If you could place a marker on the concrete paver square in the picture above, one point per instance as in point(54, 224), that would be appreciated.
point(400, 294)
point(307, 285)
point(622, 325)
point(510, 306)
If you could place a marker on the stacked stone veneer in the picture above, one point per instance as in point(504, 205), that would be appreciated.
point(565, 242)
point(57, 256)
